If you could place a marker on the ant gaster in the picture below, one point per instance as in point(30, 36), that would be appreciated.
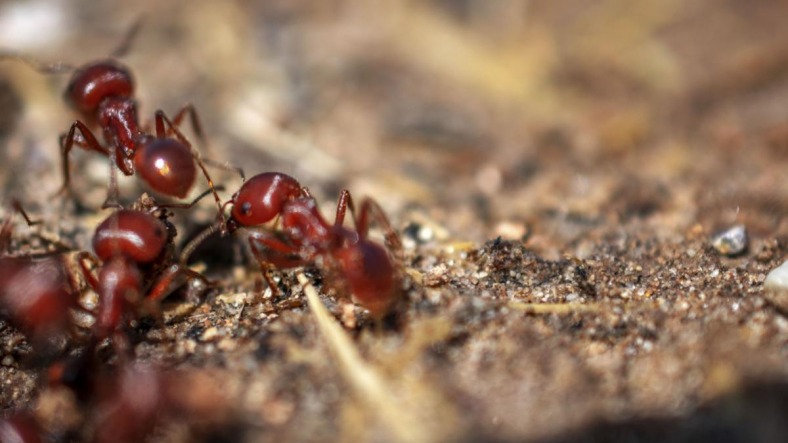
point(364, 267)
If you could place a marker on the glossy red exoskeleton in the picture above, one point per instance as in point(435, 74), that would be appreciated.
point(103, 93)
point(36, 292)
point(363, 267)
point(134, 255)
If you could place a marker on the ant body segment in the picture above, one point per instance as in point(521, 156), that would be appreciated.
point(364, 267)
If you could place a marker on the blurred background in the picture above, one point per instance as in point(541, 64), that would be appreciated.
point(579, 126)
point(469, 112)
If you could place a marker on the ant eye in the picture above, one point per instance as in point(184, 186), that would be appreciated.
point(246, 208)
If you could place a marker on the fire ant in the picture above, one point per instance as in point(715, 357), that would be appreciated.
point(102, 92)
point(364, 266)
point(133, 247)
point(36, 295)
point(36, 292)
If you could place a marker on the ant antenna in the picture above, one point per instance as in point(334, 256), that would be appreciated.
point(128, 38)
point(38, 65)
point(61, 67)
point(226, 166)
point(196, 241)
point(202, 195)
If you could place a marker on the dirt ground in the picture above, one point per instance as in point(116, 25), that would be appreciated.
point(556, 170)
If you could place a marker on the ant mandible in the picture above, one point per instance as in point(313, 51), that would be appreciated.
point(364, 267)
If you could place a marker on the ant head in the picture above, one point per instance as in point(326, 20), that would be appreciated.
point(166, 165)
point(262, 197)
point(137, 235)
point(93, 83)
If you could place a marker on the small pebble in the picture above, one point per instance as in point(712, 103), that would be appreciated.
point(509, 230)
point(776, 286)
point(418, 233)
point(731, 242)
point(8, 360)
point(210, 334)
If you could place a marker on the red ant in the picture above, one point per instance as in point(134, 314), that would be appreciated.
point(364, 266)
point(102, 92)
point(36, 295)
point(133, 400)
point(36, 292)
point(133, 247)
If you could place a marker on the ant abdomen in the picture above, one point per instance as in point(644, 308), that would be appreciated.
point(370, 274)
point(97, 81)
point(166, 165)
point(137, 235)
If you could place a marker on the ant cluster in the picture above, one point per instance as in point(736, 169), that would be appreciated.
point(134, 263)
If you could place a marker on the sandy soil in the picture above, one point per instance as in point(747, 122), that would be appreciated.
point(556, 170)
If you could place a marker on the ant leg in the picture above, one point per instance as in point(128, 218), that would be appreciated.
point(82, 258)
point(18, 208)
point(371, 209)
point(277, 254)
point(7, 227)
point(5, 234)
point(112, 192)
point(166, 127)
point(167, 283)
point(194, 119)
point(66, 143)
point(344, 203)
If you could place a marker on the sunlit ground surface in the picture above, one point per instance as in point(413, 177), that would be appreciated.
point(603, 142)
